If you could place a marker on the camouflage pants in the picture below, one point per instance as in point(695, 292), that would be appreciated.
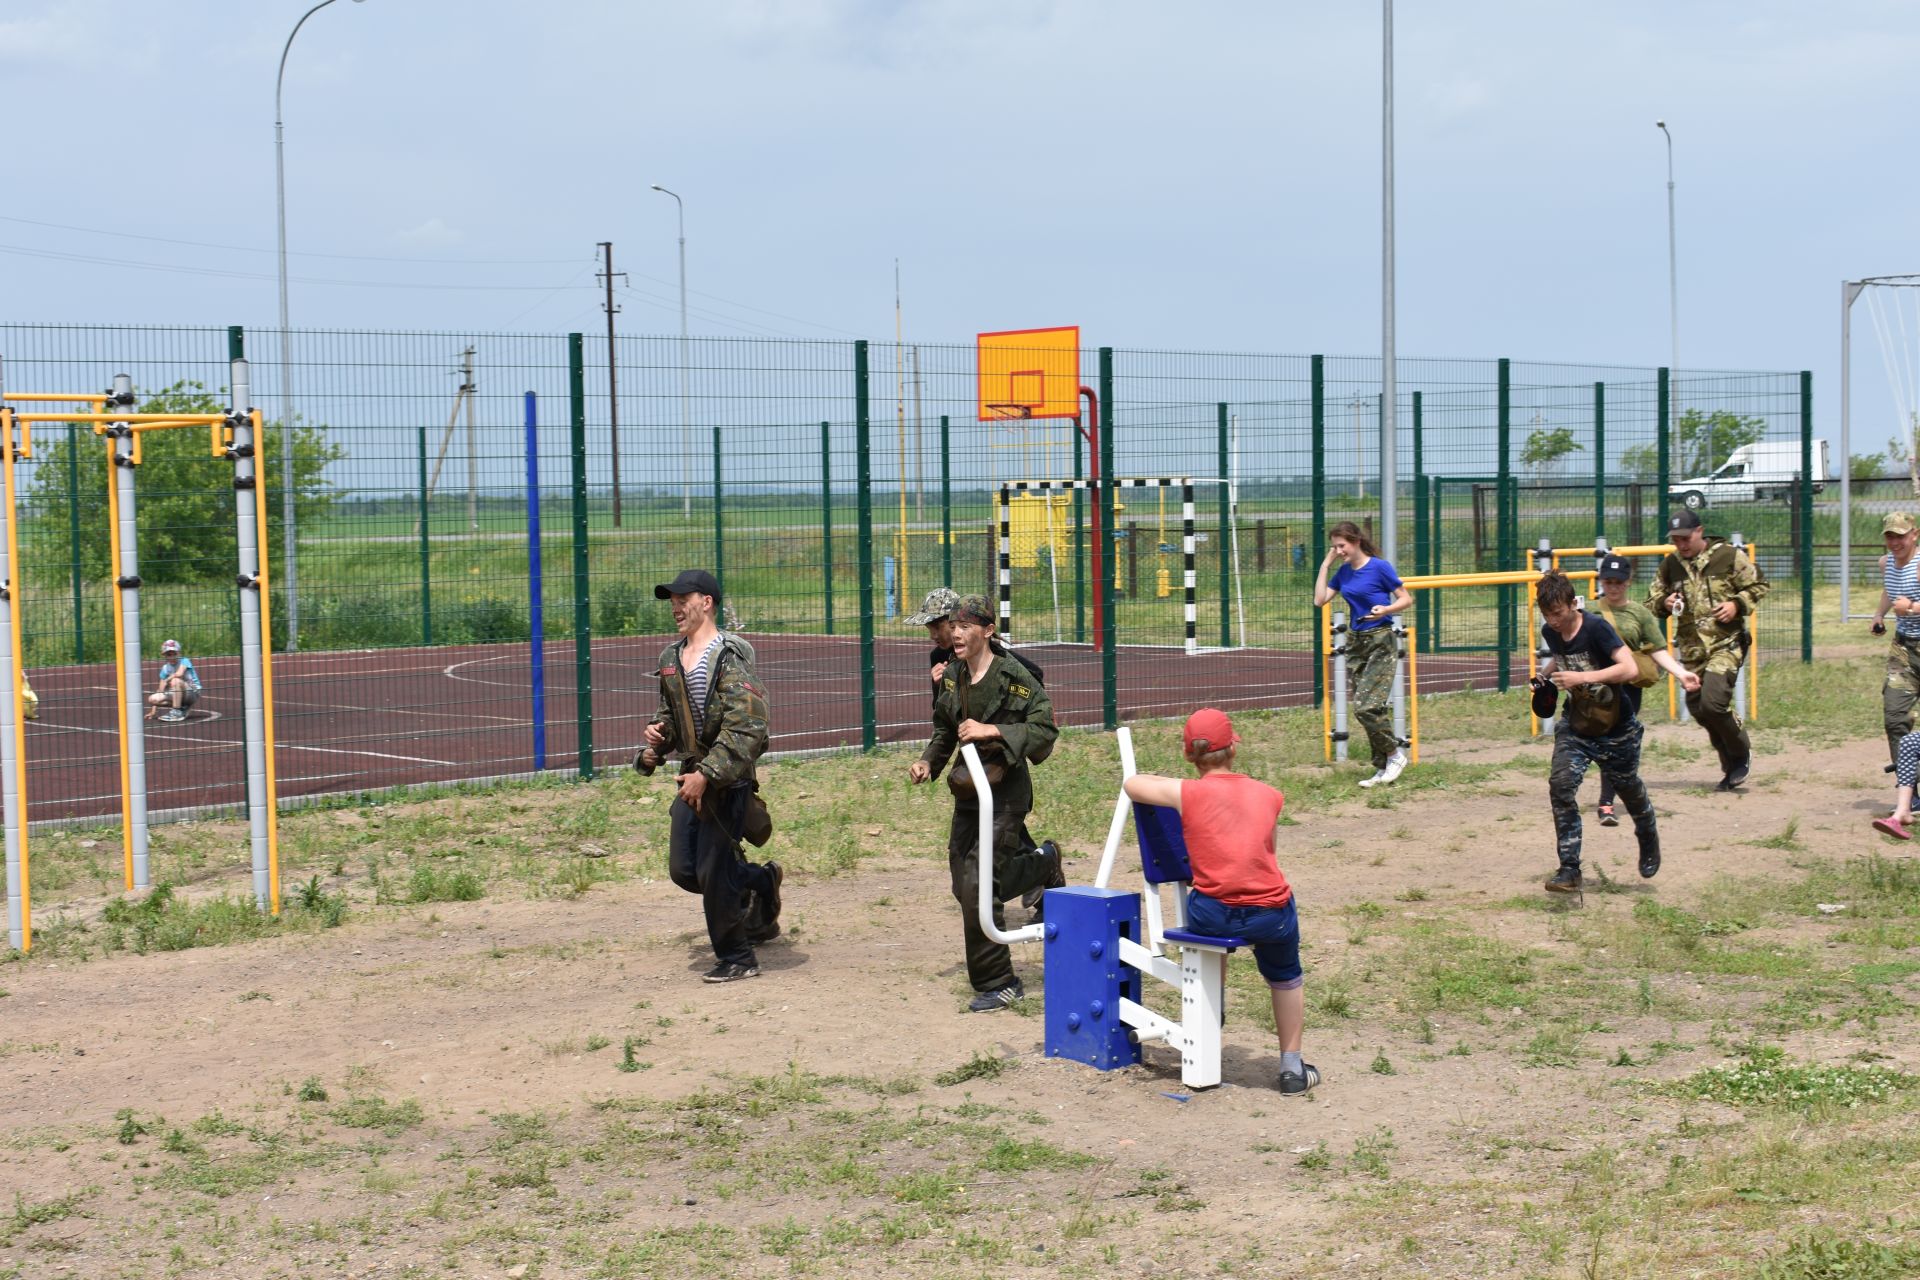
point(1017, 867)
point(1370, 657)
point(1900, 692)
point(1712, 705)
point(1618, 759)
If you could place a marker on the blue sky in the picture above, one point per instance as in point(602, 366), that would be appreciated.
point(1202, 176)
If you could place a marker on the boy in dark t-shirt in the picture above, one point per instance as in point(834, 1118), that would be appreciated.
point(1600, 725)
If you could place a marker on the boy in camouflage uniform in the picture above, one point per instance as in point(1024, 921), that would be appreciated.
point(993, 702)
point(1711, 588)
point(714, 711)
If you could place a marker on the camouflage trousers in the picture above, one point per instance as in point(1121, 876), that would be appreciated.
point(1618, 759)
point(1900, 692)
point(1712, 705)
point(1370, 656)
point(1017, 867)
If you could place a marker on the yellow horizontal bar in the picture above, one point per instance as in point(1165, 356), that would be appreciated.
point(1517, 577)
point(1657, 549)
point(54, 396)
point(180, 419)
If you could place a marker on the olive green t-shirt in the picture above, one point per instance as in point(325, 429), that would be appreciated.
point(1637, 626)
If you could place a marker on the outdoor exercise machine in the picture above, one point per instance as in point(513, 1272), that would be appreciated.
point(1097, 957)
point(234, 437)
point(13, 740)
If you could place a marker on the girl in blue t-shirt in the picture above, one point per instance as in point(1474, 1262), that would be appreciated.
point(1374, 593)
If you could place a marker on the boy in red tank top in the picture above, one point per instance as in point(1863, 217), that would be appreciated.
point(1238, 888)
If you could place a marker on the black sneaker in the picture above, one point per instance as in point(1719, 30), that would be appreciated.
point(1608, 818)
point(1056, 878)
point(1565, 880)
point(1649, 855)
point(1737, 776)
point(730, 971)
point(1300, 1081)
point(988, 1001)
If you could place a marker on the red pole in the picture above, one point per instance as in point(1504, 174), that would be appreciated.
point(1091, 432)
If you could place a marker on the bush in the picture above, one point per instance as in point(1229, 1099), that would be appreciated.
point(625, 608)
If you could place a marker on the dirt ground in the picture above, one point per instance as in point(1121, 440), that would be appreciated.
point(794, 1124)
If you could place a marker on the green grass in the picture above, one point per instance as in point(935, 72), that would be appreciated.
point(1765, 1078)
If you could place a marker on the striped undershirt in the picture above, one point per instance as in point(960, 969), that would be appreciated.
point(1903, 580)
point(699, 675)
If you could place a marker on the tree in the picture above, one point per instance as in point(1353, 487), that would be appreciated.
point(1545, 446)
point(1642, 461)
point(1868, 466)
point(185, 507)
point(1706, 440)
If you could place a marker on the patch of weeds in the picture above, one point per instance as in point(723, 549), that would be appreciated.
point(1413, 893)
point(246, 996)
point(330, 909)
point(1381, 1067)
point(375, 1112)
point(1370, 1153)
point(311, 1090)
point(1317, 1159)
point(131, 1130)
point(1332, 998)
point(981, 1066)
point(1008, 1155)
point(595, 1043)
point(1765, 1078)
point(26, 1216)
point(1169, 1195)
point(1555, 1046)
point(628, 1062)
point(1447, 969)
point(444, 884)
point(1787, 838)
point(1824, 1255)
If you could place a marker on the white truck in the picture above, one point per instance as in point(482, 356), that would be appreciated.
point(1752, 473)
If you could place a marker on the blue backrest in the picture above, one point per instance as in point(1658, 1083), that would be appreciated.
point(1163, 847)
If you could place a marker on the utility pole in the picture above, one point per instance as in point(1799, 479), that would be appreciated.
point(468, 386)
point(613, 391)
point(919, 442)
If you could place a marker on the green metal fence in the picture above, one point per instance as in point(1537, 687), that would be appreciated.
point(829, 485)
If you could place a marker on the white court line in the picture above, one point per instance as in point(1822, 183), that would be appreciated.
point(279, 702)
point(342, 751)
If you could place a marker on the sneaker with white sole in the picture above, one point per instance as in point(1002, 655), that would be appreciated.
point(1396, 765)
point(1378, 777)
point(993, 1001)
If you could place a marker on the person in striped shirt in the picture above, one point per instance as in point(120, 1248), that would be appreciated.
point(1900, 596)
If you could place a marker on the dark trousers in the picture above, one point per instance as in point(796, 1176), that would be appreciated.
point(1618, 758)
point(1712, 705)
point(1017, 867)
point(704, 857)
point(1899, 693)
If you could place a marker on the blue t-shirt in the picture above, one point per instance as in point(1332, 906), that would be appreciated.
point(181, 667)
point(1372, 583)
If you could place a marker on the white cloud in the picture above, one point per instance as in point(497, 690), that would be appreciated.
point(434, 233)
point(58, 41)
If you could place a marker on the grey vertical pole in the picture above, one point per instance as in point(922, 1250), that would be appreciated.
point(129, 591)
point(1849, 290)
point(10, 797)
point(253, 686)
point(1340, 687)
point(1740, 678)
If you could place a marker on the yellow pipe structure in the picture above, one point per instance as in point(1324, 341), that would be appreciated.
point(266, 688)
point(14, 677)
point(1413, 692)
point(132, 419)
point(120, 671)
point(1673, 686)
point(1326, 661)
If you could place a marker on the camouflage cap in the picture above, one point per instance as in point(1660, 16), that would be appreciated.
point(976, 609)
point(938, 604)
point(1898, 522)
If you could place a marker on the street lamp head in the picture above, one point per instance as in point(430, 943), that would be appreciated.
point(658, 187)
point(1659, 124)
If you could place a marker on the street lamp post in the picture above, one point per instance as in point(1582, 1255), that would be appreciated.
point(686, 440)
point(1673, 296)
point(290, 564)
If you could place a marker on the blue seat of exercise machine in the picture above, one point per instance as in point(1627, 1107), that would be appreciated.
point(1163, 860)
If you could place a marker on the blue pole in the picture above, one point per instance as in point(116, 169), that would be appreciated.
point(538, 640)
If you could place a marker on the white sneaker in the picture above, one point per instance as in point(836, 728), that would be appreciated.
point(1379, 777)
point(1396, 765)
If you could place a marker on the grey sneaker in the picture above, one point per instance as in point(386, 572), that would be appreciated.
point(173, 717)
point(1300, 1081)
point(728, 971)
point(1005, 997)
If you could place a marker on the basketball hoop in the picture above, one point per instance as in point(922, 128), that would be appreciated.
point(1003, 411)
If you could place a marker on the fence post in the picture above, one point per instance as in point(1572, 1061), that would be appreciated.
point(1226, 532)
point(426, 544)
point(719, 518)
point(1319, 544)
point(826, 516)
point(1663, 426)
point(536, 590)
point(73, 541)
point(582, 585)
point(1599, 461)
point(1806, 514)
point(1109, 631)
point(862, 427)
point(946, 503)
point(1422, 543)
point(1506, 538)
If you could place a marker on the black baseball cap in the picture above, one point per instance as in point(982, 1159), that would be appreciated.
point(1614, 568)
point(690, 582)
point(1683, 519)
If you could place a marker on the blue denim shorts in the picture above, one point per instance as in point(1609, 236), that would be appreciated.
point(1273, 931)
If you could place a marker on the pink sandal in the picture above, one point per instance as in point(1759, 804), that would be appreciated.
point(1891, 826)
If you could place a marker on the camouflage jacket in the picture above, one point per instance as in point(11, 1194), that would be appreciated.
point(1007, 696)
point(736, 714)
point(1719, 573)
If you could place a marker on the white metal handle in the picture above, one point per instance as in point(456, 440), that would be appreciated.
point(983, 792)
point(1121, 808)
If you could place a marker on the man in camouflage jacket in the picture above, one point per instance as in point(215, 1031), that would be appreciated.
point(992, 701)
point(714, 712)
point(1711, 588)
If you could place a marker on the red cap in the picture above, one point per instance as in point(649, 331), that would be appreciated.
point(1210, 726)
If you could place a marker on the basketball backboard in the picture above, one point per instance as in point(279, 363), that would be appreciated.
point(1029, 373)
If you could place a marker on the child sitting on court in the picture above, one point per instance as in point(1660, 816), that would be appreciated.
point(1239, 890)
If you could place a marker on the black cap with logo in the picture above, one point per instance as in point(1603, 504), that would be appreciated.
point(1614, 568)
point(690, 582)
point(1683, 520)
